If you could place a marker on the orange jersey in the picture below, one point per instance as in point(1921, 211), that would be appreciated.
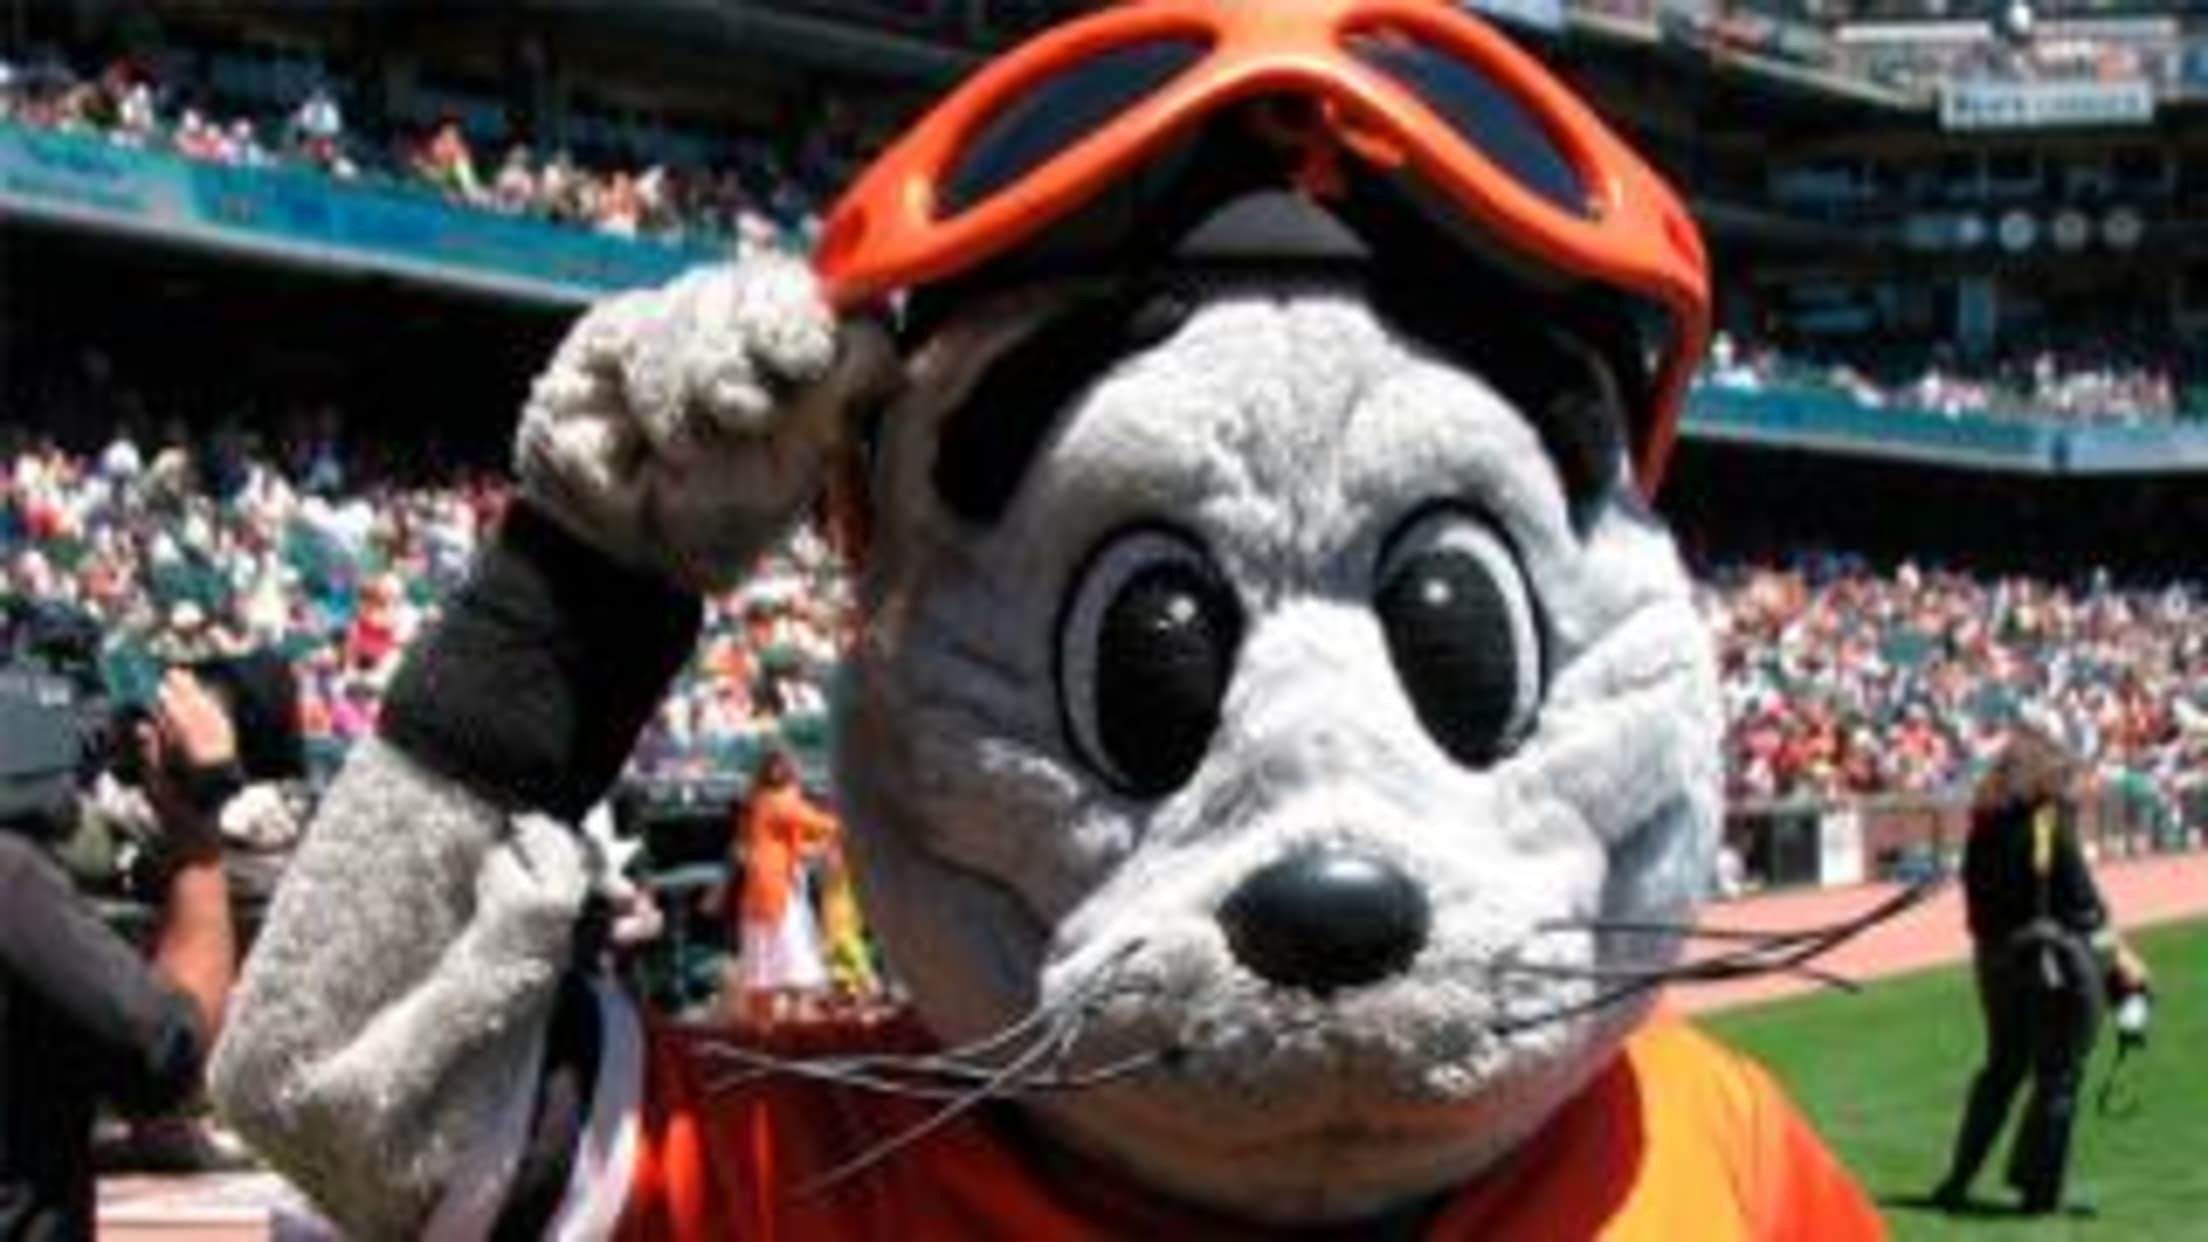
point(1678, 1138)
point(779, 826)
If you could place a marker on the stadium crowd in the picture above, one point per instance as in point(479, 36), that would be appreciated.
point(761, 197)
point(2013, 42)
point(2012, 54)
point(186, 551)
point(2077, 385)
point(1842, 680)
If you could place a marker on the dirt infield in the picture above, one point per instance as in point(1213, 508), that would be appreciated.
point(2138, 891)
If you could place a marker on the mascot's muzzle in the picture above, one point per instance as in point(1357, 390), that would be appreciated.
point(1326, 920)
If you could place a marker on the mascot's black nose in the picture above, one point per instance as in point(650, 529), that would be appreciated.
point(1326, 920)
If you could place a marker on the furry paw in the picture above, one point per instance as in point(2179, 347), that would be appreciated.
point(681, 428)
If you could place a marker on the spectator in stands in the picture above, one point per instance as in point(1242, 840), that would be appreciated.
point(83, 1021)
point(560, 188)
point(620, 206)
point(655, 201)
point(642, 199)
point(198, 138)
point(136, 123)
point(446, 161)
point(318, 133)
point(2043, 944)
point(120, 461)
point(1841, 681)
point(514, 190)
point(2090, 383)
point(244, 146)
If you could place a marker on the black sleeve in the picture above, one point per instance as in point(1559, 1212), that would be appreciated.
point(141, 1035)
point(547, 664)
point(1982, 904)
point(559, 1116)
point(2074, 900)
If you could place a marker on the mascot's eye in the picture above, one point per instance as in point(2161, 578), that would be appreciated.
point(1463, 633)
point(1145, 648)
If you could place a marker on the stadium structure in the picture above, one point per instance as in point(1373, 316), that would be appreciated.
point(1895, 183)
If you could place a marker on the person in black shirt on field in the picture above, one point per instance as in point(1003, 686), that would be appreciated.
point(2043, 947)
point(83, 1019)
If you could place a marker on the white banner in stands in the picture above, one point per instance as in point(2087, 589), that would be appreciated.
point(1840, 847)
point(2038, 105)
point(1540, 14)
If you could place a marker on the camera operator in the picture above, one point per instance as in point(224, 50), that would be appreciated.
point(2045, 951)
point(83, 1020)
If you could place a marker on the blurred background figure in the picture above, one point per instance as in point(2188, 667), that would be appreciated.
point(855, 984)
point(2044, 948)
point(779, 969)
point(84, 1021)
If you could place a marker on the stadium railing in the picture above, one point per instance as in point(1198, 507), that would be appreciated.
point(1904, 64)
point(1830, 420)
point(1808, 842)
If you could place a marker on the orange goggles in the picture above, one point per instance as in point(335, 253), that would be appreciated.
point(1414, 87)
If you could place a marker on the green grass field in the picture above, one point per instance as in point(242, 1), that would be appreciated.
point(1883, 1073)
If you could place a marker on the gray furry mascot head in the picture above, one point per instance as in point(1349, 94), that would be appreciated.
point(1274, 693)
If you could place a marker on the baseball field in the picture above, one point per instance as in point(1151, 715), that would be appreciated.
point(1882, 1073)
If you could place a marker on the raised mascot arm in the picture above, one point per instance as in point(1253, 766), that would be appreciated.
point(389, 1042)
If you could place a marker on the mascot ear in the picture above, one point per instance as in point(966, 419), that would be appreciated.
point(1573, 366)
point(998, 426)
point(983, 389)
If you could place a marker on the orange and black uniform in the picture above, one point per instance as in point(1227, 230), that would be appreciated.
point(1679, 1138)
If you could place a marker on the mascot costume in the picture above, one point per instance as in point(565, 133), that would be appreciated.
point(1281, 753)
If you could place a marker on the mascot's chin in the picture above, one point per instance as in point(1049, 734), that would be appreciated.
point(1279, 756)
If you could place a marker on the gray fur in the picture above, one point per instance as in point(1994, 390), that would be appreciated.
point(392, 1013)
point(383, 1046)
point(1290, 432)
point(657, 433)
